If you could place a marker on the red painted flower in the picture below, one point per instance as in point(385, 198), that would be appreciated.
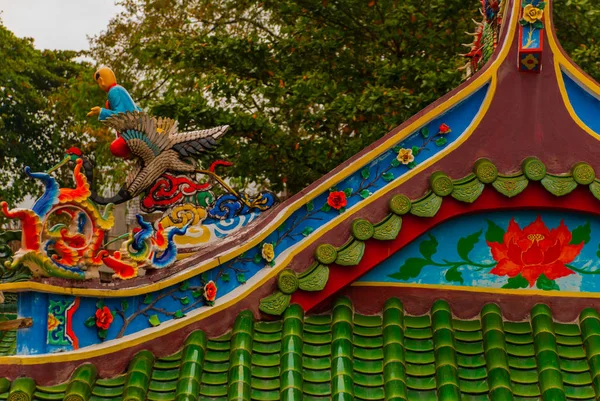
point(444, 129)
point(337, 200)
point(210, 291)
point(534, 251)
point(103, 318)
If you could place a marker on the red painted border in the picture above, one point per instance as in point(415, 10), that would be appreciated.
point(534, 197)
point(69, 323)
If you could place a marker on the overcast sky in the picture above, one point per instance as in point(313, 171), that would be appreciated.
point(57, 24)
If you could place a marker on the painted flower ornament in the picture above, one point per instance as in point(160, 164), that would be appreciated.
point(210, 291)
point(445, 129)
point(268, 252)
point(337, 200)
point(52, 322)
point(104, 318)
point(405, 156)
point(532, 14)
point(534, 250)
point(530, 62)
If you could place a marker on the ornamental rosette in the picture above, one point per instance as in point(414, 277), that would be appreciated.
point(210, 291)
point(532, 14)
point(445, 129)
point(268, 252)
point(405, 156)
point(337, 200)
point(534, 250)
point(104, 318)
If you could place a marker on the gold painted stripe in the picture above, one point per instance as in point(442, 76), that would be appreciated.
point(526, 293)
point(561, 62)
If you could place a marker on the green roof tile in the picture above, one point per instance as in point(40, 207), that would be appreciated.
point(343, 355)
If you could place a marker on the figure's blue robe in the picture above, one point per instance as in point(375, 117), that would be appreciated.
point(119, 101)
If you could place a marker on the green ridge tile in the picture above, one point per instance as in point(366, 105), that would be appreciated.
point(213, 391)
point(265, 384)
point(173, 357)
point(166, 365)
point(317, 339)
point(472, 373)
point(420, 358)
point(468, 336)
point(368, 366)
point(469, 348)
point(316, 363)
point(522, 363)
point(317, 329)
point(577, 379)
point(216, 367)
point(265, 372)
point(466, 325)
point(162, 386)
point(417, 322)
point(317, 350)
point(268, 327)
point(580, 393)
point(526, 390)
point(59, 388)
point(368, 354)
point(368, 331)
point(421, 383)
point(521, 376)
point(267, 337)
point(420, 370)
point(367, 342)
point(368, 393)
point(418, 333)
point(205, 398)
point(474, 387)
point(215, 356)
point(214, 378)
point(165, 375)
point(367, 321)
point(422, 395)
point(95, 398)
point(519, 339)
point(318, 319)
point(224, 337)
point(570, 352)
point(38, 395)
point(520, 350)
point(517, 327)
point(107, 392)
point(574, 365)
point(218, 345)
point(470, 361)
point(156, 396)
point(568, 341)
point(567, 329)
point(418, 345)
point(266, 348)
point(319, 389)
point(316, 376)
point(111, 382)
point(368, 380)
point(261, 395)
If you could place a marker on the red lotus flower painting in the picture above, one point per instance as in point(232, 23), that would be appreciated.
point(534, 250)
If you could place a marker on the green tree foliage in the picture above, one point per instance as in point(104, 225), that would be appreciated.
point(36, 127)
point(304, 84)
point(577, 25)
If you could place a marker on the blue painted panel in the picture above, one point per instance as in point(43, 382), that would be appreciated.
point(517, 250)
point(586, 105)
point(141, 312)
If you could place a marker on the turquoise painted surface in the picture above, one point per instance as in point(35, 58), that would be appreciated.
point(134, 314)
point(586, 105)
point(517, 250)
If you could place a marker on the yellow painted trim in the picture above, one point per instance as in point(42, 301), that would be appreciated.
point(140, 338)
point(489, 76)
point(563, 63)
point(527, 293)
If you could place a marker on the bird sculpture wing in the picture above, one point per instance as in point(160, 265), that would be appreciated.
point(147, 136)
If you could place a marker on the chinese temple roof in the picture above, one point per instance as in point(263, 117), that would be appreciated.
point(345, 355)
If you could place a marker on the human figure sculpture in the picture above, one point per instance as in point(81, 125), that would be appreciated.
point(119, 101)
